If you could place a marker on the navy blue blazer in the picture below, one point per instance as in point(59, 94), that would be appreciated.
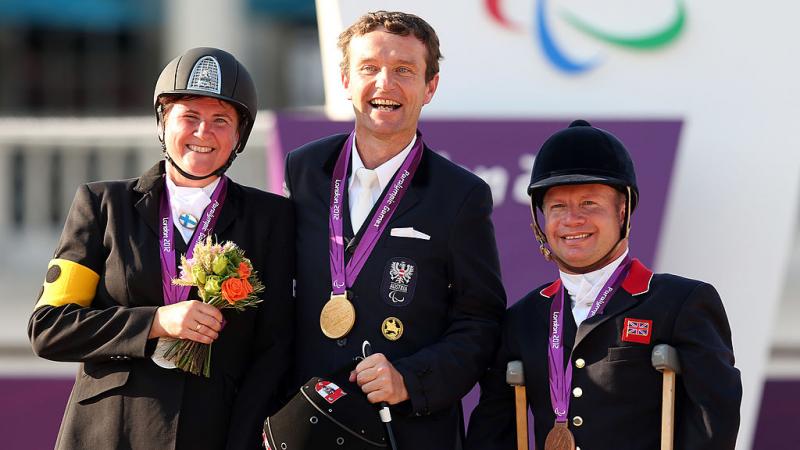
point(615, 397)
point(450, 302)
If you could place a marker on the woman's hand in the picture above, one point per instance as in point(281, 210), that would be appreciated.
point(191, 319)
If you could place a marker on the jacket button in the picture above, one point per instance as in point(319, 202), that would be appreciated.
point(577, 392)
point(579, 363)
point(577, 421)
point(341, 342)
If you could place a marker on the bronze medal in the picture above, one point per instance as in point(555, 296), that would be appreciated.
point(559, 438)
point(337, 317)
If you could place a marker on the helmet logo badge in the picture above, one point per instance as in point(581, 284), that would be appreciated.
point(206, 75)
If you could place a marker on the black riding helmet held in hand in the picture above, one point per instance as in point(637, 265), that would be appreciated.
point(582, 154)
point(208, 72)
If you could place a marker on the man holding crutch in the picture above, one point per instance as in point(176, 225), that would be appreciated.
point(586, 339)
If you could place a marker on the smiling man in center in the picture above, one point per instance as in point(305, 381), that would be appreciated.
point(395, 243)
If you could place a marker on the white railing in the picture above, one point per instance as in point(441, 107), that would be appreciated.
point(42, 162)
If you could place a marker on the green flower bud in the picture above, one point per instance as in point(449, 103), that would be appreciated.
point(220, 265)
point(198, 274)
point(212, 285)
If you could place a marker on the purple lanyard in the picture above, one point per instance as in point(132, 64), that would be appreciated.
point(561, 379)
point(172, 293)
point(343, 277)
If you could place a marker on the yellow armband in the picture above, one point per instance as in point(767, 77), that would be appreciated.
point(68, 282)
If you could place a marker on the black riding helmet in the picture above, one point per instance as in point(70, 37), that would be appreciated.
point(582, 154)
point(208, 72)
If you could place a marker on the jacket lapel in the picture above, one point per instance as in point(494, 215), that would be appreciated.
point(568, 324)
point(229, 209)
point(636, 283)
point(570, 327)
point(324, 188)
point(620, 302)
point(411, 197)
point(418, 185)
point(150, 185)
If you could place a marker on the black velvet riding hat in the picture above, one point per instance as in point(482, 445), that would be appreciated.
point(582, 154)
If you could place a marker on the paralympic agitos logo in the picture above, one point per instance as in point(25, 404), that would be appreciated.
point(657, 37)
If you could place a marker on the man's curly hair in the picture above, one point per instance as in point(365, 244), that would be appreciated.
point(394, 22)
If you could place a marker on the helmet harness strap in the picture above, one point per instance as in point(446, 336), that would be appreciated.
point(548, 254)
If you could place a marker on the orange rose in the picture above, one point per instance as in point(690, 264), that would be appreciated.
point(247, 286)
point(235, 289)
point(244, 270)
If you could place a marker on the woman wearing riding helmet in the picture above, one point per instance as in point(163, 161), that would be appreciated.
point(107, 301)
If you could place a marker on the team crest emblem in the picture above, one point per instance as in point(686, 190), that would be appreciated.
point(637, 330)
point(399, 281)
point(329, 391)
point(400, 274)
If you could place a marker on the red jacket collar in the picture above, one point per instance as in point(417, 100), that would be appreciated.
point(551, 290)
point(636, 282)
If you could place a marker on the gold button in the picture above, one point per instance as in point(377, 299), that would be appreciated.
point(577, 392)
point(579, 363)
point(577, 421)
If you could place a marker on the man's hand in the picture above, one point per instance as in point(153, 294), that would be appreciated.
point(378, 378)
point(192, 320)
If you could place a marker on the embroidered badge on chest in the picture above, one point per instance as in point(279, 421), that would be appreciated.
point(399, 281)
point(637, 330)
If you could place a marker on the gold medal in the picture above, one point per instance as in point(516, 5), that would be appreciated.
point(392, 328)
point(559, 438)
point(337, 317)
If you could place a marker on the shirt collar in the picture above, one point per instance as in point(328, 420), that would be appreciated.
point(573, 282)
point(178, 192)
point(385, 171)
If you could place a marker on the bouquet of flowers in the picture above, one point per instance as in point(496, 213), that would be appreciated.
point(224, 279)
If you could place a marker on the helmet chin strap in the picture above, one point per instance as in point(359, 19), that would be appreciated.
point(186, 174)
point(548, 254)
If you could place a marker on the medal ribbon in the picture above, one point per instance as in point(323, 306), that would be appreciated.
point(343, 277)
point(169, 270)
point(561, 378)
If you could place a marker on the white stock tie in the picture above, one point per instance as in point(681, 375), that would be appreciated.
point(363, 201)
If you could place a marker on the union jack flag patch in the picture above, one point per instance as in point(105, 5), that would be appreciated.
point(637, 330)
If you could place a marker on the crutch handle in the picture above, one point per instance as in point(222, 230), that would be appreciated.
point(515, 376)
point(665, 357)
point(665, 360)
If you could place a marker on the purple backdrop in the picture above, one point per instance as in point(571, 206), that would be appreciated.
point(32, 408)
point(502, 153)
